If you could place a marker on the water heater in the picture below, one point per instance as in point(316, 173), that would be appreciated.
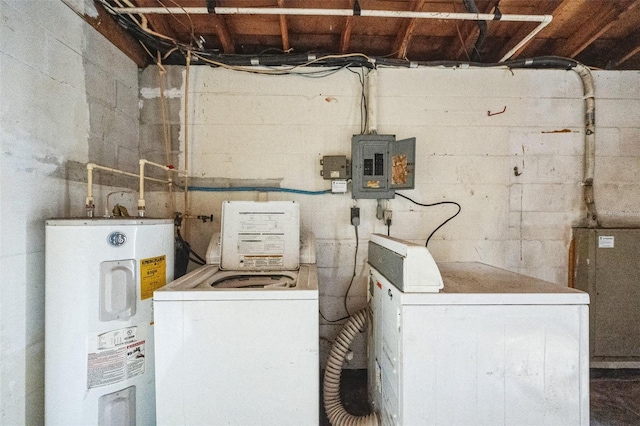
point(100, 278)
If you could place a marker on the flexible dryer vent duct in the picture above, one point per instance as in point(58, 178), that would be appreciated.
point(336, 413)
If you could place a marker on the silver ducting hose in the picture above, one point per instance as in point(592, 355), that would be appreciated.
point(336, 413)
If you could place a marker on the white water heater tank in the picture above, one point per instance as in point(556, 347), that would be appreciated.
point(100, 278)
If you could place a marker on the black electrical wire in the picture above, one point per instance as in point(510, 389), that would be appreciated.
point(346, 295)
point(177, 52)
point(431, 205)
point(363, 101)
point(196, 257)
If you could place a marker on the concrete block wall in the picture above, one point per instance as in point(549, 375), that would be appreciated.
point(67, 97)
point(275, 129)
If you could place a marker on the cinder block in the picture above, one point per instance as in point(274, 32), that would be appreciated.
point(555, 197)
point(462, 83)
point(618, 112)
point(546, 141)
point(559, 168)
point(214, 108)
point(151, 110)
point(617, 169)
point(64, 64)
point(544, 253)
point(609, 142)
point(208, 80)
point(152, 141)
point(616, 198)
point(630, 141)
point(617, 84)
point(100, 85)
point(468, 169)
point(127, 101)
point(127, 159)
point(549, 225)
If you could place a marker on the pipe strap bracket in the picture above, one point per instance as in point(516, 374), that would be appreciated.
point(357, 11)
point(211, 6)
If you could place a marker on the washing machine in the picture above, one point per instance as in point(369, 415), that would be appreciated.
point(237, 339)
point(467, 343)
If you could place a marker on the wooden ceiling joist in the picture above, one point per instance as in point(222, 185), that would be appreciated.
point(602, 33)
point(597, 25)
point(284, 30)
point(345, 37)
point(630, 48)
point(470, 36)
point(158, 22)
point(401, 44)
point(223, 34)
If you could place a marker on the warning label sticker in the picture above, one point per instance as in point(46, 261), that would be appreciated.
point(153, 275)
point(261, 261)
point(115, 356)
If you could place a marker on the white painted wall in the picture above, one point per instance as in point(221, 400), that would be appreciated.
point(66, 96)
point(277, 128)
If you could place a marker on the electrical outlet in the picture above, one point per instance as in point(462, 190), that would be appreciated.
point(355, 216)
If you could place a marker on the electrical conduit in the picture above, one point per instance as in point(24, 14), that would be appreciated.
point(336, 412)
point(589, 143)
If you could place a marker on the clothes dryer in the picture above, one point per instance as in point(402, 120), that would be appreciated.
point(466, 343)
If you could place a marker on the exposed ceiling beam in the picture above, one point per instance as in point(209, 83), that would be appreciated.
point(629, 49)
point(283, 28)
point(223, 34)
point(470, 36)
point(118, 36)
point(401, 44)
point(158, 22)
point(595, 27)
point(345, 37)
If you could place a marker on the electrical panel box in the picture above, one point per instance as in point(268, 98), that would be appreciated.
point(381, 165)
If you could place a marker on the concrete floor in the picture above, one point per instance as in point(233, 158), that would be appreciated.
point(615, 396)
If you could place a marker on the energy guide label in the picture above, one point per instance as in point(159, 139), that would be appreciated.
point(115, 356)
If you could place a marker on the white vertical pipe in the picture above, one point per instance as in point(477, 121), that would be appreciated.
point(372, 102)
point(141, 202)
point(90, 206)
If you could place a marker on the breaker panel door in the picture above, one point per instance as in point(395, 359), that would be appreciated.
point(402, 163)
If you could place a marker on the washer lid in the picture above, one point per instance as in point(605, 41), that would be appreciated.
point(260, 236)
